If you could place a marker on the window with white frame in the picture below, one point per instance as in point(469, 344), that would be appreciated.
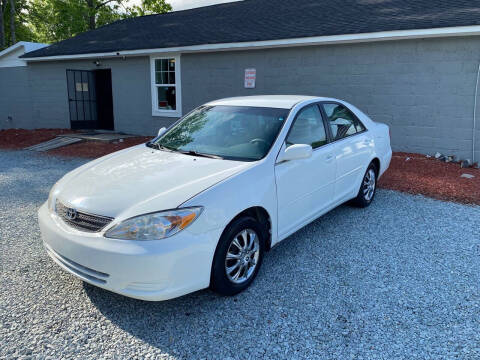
point(166, 99)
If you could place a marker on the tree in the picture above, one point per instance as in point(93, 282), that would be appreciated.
point(149, 7)
point(56, 20)
point(3, 6)
point(13, 22)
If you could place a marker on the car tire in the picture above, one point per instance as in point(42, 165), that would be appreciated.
point(368, 188)
point(236, 243)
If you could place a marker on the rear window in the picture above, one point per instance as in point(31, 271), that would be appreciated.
point(342, 121)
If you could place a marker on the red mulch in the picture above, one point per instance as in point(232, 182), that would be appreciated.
point(21, 138)
point(433, 178)
point(95, 149)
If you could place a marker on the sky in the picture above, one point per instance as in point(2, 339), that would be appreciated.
point(188, 4)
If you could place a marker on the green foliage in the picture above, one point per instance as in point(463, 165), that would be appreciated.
point(149, 7)
point(50, 21)
point(22, 30)
point(55, 20)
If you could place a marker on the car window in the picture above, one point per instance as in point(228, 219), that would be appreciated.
point(308, 128)
point(241, 133)
point(342, 122)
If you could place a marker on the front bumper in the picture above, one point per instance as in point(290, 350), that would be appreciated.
point(147, 270)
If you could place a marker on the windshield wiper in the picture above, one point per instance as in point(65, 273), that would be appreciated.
point(165, 148)
point(194, 153)
point(160, 147)
point(189, 152)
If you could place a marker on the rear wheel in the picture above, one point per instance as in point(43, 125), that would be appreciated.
point(368, 188)
point(238, 256)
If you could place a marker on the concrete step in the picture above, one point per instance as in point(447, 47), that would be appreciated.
point(94, 136)
point(59, 141)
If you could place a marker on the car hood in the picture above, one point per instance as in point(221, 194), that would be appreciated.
point(141, 180)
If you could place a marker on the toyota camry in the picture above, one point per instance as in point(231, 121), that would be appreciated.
point(201, 204)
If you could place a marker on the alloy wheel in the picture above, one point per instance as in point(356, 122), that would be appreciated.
point(369, 183)
point(242, 256)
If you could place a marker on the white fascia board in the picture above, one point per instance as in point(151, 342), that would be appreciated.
point(11, 48)
point(307, 41)
point(10, 57)
point(28, 46)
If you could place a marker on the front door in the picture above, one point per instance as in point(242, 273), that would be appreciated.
point(90, 99)
point(103, 89)
point(305, 187)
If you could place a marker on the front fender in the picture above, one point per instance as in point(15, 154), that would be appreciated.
point(250, 188)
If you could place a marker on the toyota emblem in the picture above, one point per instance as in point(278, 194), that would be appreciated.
point(71, 214)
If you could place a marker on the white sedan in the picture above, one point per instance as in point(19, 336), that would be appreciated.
point(202, 203)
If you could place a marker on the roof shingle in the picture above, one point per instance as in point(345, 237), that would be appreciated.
point(257, 20)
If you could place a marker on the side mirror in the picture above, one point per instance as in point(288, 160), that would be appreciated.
point(295, 152)
point(162, 131)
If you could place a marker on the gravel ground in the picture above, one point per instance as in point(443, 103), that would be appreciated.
point(400, 279)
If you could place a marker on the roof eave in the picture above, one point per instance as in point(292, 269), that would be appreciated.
point(306, 41)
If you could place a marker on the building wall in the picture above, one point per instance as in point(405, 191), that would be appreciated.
point(423, 89)
point(15, 99)
point(39, 98)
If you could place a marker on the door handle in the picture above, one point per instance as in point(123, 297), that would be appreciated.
point(329, 158)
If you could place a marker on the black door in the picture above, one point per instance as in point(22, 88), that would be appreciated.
point(103, 83)
point(90, 99)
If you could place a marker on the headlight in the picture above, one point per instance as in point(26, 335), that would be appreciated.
point(154, 226)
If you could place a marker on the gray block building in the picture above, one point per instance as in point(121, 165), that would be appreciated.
point(412, 64)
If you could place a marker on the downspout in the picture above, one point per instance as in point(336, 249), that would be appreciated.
point(475, 115)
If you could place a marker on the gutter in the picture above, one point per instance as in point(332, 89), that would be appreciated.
point(475, 116)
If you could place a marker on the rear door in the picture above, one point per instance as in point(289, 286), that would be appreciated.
point(305, 187)
point(353, 147)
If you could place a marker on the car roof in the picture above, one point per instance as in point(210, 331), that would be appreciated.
point(270, 101)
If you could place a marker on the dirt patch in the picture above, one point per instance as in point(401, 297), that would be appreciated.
point(95, 149)
point(433, 178)
point(21, 138)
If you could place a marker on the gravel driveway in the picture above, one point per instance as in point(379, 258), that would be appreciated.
point(400, 279)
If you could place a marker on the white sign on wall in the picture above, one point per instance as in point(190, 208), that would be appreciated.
point(250, 77)
point(79, 86)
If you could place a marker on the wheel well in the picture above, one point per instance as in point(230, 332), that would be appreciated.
point(262, 216)
point(376, 162)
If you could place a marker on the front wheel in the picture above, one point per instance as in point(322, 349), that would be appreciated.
point(238, 256)
point(368, 188)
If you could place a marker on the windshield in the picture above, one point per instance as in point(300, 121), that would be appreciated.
point(230, 132)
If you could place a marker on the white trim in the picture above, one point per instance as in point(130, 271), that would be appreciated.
point(11, 48)
point(10, 57)
point(316, 40)
point(178, 87)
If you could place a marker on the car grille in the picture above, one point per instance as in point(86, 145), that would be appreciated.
point(80, 220)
